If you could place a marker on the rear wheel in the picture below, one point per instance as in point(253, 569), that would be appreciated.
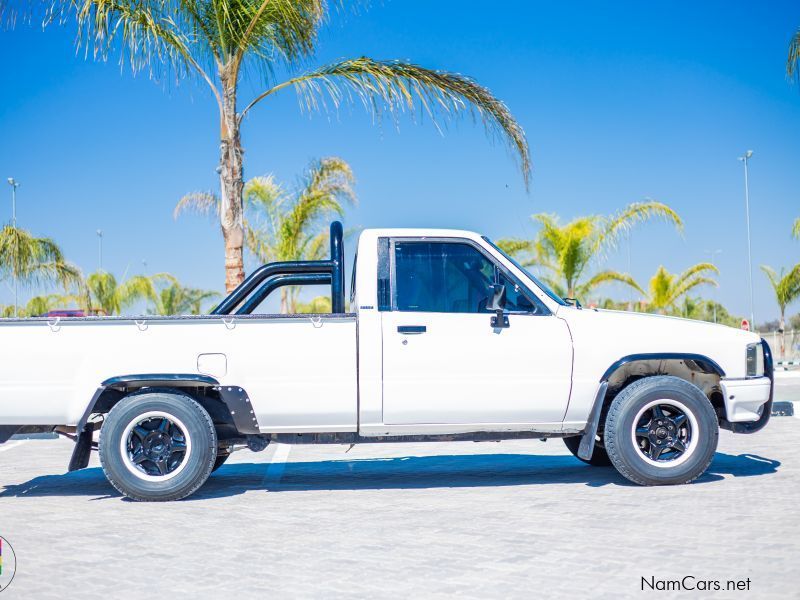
point(220, 460)
point(599, 455)
point(660, 431)
point(157, 446)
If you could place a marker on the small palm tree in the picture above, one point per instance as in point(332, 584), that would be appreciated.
point(32, 261)
point(786, 287)
point(104, 293)
point(666, 289)
point(223, 41)
point(176, 299)
point(41, 305)
point(283, 224)
point(567, 251)
point(317, 305)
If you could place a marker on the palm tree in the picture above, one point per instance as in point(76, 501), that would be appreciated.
point(104, 293)
point(666, 289)
point(176, 299)
point(283, 224)
point(568, 250)
point(793, 60)
point(223, 41)
point(796, 229)
point(41, 305)
point(787, 289)
point(31, 260)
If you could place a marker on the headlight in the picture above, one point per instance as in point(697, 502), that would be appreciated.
point(755, 360)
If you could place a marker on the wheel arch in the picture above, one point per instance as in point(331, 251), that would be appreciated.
point(698, 369)
point(228, 406)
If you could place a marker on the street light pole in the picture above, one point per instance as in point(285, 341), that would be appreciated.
point(745, 159)
point(14, 185)
point(99, 249)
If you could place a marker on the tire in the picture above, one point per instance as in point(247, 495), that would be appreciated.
point(220, 460)
point(157, 446)
point(661, 430)
point(599, 455)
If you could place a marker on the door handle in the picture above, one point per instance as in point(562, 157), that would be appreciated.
point(411, 329)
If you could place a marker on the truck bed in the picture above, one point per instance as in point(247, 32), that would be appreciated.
point(299, 370)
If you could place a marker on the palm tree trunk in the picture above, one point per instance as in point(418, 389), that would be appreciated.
point(284, 301)
point(782, 332)
point(231, 183)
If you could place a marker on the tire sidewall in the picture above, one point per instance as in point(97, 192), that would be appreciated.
point(622, 445)
point(199, 428)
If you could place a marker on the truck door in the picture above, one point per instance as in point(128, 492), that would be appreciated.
point(443, 361)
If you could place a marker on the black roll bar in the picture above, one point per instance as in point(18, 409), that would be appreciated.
point(273, 275)
point(274, 283)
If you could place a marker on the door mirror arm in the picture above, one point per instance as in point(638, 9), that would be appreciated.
point(498, 305)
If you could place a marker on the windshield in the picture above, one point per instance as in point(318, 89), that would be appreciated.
point(550, 293)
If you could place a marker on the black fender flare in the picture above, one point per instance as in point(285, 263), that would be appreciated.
point(114, 389)
point(234, 397)
point(704, 363)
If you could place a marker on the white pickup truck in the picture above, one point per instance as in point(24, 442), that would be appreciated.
point(446, 338)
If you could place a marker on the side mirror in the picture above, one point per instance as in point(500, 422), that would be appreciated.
point(498, 304)
point(498, 297)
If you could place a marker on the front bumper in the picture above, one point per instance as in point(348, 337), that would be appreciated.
point(748, 402)
point(745, 398)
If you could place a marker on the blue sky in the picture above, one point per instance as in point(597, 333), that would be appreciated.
point(621, 101)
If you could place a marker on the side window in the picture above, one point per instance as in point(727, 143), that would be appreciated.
point(441, 277)
point(516, 300)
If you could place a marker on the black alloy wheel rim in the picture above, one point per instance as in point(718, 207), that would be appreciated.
point(663, 433)
point(156, 446)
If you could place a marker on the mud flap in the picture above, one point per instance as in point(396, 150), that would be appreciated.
point(6, 431)
point(82, 450)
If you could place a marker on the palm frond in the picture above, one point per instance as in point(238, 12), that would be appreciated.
point(515, 247)
point(584, 290)
point(689, 284)
point(793, 60)
point(202, 203)
point(631, 215)
point(263, 194)
point(666, 288)
point(138, 287)
point(796, 229)
point(284, 29)
point(328, 184)
point(700, 268)
point(398, 86)
point(102, 289)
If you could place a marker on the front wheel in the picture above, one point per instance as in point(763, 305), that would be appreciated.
point(157, 446)
point(661, 431)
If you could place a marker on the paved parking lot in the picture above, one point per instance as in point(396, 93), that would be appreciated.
point(512, 519)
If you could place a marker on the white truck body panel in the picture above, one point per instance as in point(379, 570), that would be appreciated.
point(463, 371)
point(299, 372)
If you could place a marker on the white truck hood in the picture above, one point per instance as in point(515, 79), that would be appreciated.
point(625, 333)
